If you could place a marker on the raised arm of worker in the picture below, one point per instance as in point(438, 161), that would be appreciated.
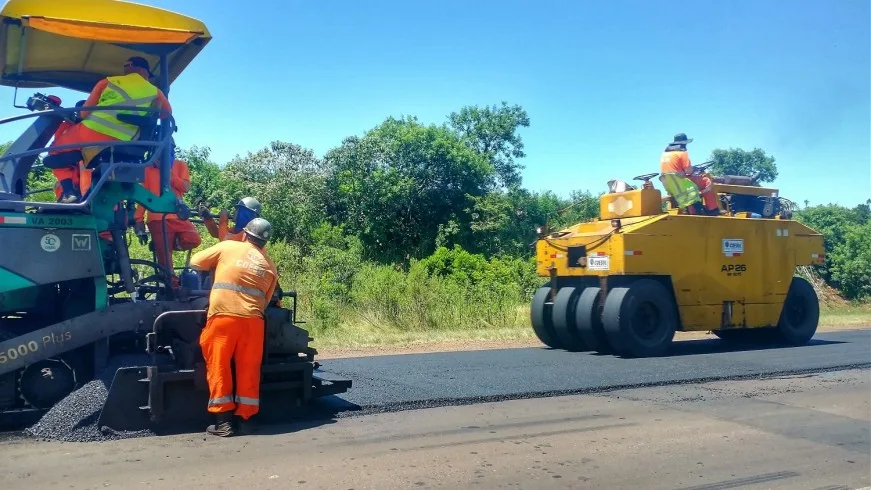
point(209, 222)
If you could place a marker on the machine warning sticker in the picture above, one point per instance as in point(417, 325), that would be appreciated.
point(598, 263)
point(733, 247)
point(50, 243)
point(81, 242)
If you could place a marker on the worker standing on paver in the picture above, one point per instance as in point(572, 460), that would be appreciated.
point(675, 160)
point(180, 234)
point(130, 89)
point(247, 209)
point(244, 280)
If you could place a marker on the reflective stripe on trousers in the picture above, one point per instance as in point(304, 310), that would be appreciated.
point(247, 401)
point(220, 400)
point(238, 289)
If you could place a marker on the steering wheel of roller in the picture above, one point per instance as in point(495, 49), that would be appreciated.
point(703, 167)
point(645, 177)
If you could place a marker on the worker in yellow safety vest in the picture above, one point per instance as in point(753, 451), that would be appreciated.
point(130, 89)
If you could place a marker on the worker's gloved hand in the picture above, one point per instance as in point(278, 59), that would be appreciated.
point(139, 229)
point(203, 211)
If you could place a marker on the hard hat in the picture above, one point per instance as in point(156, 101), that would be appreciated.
point(250, 203)
point(259, 228)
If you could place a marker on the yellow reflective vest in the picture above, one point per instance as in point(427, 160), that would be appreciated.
point(124, 90)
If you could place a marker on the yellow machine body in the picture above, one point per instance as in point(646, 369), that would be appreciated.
point(725, 272)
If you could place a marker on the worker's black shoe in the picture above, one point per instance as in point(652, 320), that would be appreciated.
point(223, 426)
point(242, 426)
point(69, 192)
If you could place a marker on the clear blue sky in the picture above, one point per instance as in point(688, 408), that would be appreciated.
point(606, 84)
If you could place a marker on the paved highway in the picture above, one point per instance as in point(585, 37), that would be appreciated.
point(807, 431)
point(387, 383)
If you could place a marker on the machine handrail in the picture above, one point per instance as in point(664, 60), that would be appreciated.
point(63, 110)
point(157, 145)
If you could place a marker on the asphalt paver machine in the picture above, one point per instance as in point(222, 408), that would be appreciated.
point(71, 300)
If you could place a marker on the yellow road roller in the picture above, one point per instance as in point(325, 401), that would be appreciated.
point(625, 282)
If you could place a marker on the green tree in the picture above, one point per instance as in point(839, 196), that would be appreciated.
point(206, 180)
point(290, 183)
point(736, 161)
point(492, 132)
point(394, 186)
point(846, 235)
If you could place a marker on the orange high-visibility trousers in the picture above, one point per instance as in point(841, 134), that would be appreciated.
point(706, 190)
point(231, 337)
point(176, 229)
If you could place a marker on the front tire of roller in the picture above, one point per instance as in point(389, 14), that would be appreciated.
point(640, 320)
point(588, 319)
point(801, 313)
point(564, 319)
point(541, 315)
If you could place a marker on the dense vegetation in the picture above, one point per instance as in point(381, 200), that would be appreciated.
point(412, 226)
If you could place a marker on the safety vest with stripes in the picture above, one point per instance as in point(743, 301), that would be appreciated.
point(682, 189)
point(125, 90)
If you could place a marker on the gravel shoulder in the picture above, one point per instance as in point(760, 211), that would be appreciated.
point(471, 345)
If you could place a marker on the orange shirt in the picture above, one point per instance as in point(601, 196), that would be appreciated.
point(244, 278)
point(179, 181)
point(97, 91)
point(675, 161)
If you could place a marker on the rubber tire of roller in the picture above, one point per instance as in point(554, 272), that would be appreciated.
point(564, 319)
point(542, 319)
point(620, 306)
point(588, 319)
point(801, 332)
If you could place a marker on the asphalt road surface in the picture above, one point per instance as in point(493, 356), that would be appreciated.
point(807, 429)
point(424, 380)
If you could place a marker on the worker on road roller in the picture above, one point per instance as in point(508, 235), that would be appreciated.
point(676, 169)
point(244, 279)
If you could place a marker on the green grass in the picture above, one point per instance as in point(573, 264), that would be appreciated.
point(452, 297)
point(846, 316)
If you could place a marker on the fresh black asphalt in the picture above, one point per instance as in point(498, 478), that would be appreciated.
point(396, 382)
point(412, 381)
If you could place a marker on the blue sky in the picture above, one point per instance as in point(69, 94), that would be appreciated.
point(606, 84)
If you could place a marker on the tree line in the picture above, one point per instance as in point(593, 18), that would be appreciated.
point(405, 192)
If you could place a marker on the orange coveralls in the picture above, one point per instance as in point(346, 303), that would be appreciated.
point(244, 281)
point(679, 162)
point(221, 231)
point(80, 177)
point(177, 229)
point(79, 133)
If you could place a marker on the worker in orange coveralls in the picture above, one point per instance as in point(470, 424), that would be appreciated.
point(675, 159)
point(181, 234)
point(76, 179)
point(244, 280)
point(130, 89)
point(247, 209)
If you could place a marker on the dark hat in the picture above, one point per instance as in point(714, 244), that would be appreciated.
point(681, 139)
point(141, 62)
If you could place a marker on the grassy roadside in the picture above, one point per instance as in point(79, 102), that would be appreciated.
point(368, 338)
